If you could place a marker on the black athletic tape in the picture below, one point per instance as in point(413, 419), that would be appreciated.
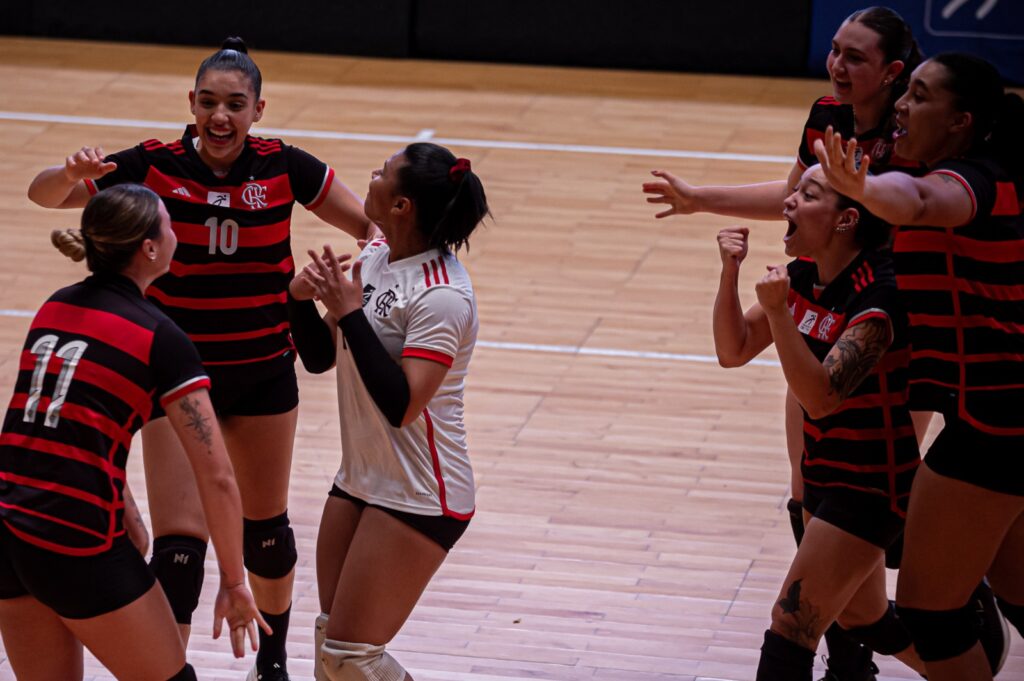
point(382, 376)
point(311, 335)
point(887, 636)
point(940, 634)
point(784, 659)
point(268, 546)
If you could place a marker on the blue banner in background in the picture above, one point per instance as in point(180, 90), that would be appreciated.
point(992, 29)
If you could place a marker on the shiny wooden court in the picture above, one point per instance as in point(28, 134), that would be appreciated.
point(631, 519)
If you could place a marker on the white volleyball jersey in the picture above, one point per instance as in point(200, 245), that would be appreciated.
point(422, 306)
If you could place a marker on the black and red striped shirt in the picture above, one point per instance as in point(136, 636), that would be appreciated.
point(867, 443)
point(97, 360)
point(964, 289)
point(877, 143)
point(228, 281)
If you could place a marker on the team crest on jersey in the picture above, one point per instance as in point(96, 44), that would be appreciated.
point(254, 195)
point(222, 199)
point(384, 303)
point(367, 292)
point(810, 318)
point(825, 327)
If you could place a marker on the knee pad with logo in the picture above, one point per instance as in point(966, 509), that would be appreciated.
point(177, 563)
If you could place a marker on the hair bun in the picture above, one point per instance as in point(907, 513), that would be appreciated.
point(234, 43)
point(70, 242)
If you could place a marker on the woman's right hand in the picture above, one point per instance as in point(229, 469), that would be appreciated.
point(733, 245)
point(681, 197)
point(303, 285)
point(87, 164)
point(236, 605)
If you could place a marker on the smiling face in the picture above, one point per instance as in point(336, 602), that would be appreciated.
point(927, 120)
point(814, 216)
point(225, 107)
point(856, 65)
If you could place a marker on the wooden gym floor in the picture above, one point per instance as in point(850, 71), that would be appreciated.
point(631, 519)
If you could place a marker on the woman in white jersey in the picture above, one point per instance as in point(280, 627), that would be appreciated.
point(407, 317)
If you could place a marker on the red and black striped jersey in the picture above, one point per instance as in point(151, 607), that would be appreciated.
point(228, 281)
point(964, 289)
point(98, 358)
point(877, 144)
point(867, 443)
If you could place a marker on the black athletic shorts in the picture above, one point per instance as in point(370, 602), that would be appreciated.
point(75, 587)
point(442, 530)
point(265, 396)
point(994, 462)
point(863, 515)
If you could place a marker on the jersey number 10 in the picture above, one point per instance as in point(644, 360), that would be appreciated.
point(223, 236)
point(70, 353)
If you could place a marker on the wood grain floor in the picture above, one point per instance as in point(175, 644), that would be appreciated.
point(631, 522)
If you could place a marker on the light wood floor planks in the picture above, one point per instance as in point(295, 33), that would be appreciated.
point(631, 522)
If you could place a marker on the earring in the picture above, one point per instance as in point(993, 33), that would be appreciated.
point(152, 257)
point(840, 230)
point(888, 81)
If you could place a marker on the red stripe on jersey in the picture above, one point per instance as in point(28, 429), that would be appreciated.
point(217, 268)
point(255, 195)
point(868, 490)
point(965, 322)
point(150, 145)
point(861, 468)
point(949, 242)
point(241, 335)
point(812, 137)
point(112, 382)
point(233, 362)
point(973, 358)
point(866, 315)
point(829, 100)
point(91, 186)
point(105, 327)
point(433, 268)
point(325, 189)
point(248, 237)
point(58, 548)
point(188, 387)
point(1006, 200)
point(238, 303)
point(66, 451)
point(967, 187)
point(444, 271)
point(436, 461)
point(426, 275)
point(57, 488)
point(984, 427)
point(858, 434)
point(941, 282)
point(434, 355)
point(871, 401)
point(815, 321)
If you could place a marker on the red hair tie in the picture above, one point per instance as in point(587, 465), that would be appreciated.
point(459, 170)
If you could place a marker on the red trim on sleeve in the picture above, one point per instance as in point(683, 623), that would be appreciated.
point(189, 386)
point(868, 314)
point(433, 355)
point(324, 190)
point(1006, 200)
point(91, 186)
point(959, 178)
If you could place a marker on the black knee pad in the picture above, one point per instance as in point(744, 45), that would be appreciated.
point(783, 659)
point(796, 519)
point(186, 674)
point(1014, 614)
point(940, 634)
point(269, 546)
point(177, 563)
point(887, 636)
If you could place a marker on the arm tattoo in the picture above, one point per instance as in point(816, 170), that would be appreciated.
point(801, 621)
point(855, 354)
point(196, 421)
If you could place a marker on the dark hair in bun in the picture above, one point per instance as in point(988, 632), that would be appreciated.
point(233, 55)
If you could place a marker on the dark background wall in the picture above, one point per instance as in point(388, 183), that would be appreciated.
point(780, 37)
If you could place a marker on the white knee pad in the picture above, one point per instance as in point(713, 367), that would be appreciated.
point(319, 636)
point(343, 661)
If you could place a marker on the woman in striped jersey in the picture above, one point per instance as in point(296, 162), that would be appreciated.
point(230, 196)
point(959, 256)
point(401, 333)
point(841, 336)
point(98, 362)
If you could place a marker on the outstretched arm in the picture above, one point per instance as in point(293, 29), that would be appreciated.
point(762, 201)
point(64, 186)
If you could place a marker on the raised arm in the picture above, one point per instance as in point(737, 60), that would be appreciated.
point(820, 386)
point(195, 423)
point(936, 200)
point(761, 201)
point(739, 336)
point(64, 186)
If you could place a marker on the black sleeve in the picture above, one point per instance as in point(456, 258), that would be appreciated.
point(824, 112)
point(177, 369)
point(312, 338)
point(382, 376)
point(132, 166)
point(977, 177)
point(308, 175)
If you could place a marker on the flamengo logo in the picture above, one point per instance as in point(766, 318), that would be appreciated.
point(825, 328)
point(254, 195)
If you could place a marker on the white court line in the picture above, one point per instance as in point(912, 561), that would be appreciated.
point(553, 349)
point(26, 116)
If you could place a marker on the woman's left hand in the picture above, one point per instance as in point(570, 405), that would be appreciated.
point(773, 289)
point(337, 292)
point(840, 165)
